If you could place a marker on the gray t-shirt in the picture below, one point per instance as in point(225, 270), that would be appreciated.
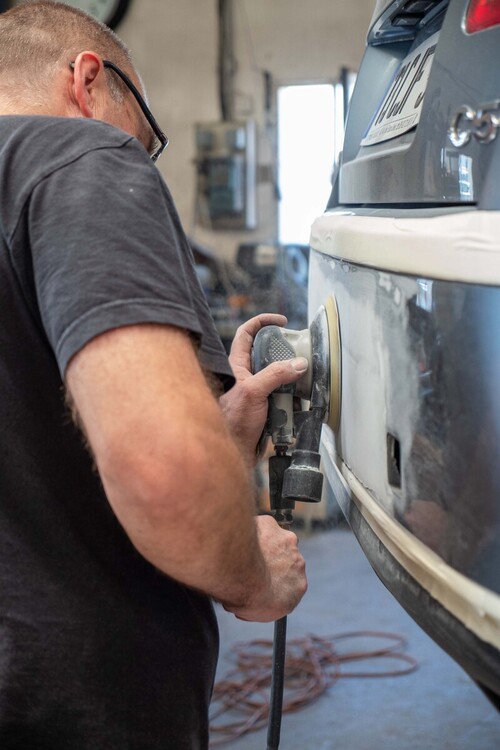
point(97, 648)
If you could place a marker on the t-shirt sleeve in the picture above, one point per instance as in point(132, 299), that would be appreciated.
point(107, 252)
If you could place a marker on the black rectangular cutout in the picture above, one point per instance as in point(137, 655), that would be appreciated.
point(393, 460)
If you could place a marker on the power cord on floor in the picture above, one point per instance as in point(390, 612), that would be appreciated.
point(240, 702)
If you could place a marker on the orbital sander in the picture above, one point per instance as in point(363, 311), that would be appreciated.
point(296, 414)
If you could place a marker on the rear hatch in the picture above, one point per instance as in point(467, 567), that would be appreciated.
point(421, 67)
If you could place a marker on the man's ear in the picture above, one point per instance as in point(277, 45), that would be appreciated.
point(88, 77)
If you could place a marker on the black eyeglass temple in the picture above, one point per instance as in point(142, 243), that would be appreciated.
point(142, 104)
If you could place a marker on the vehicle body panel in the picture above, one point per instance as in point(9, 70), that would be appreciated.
point(409, 248)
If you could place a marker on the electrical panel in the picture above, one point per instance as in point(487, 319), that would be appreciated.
point(226, 174)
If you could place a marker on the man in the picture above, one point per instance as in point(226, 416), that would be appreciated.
point(112, 544)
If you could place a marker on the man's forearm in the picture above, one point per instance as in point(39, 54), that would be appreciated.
point(174, 476)
point(197, 526)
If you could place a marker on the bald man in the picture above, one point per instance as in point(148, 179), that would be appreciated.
point(119, 526)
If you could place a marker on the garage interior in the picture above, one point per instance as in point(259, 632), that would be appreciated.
point(214, 71)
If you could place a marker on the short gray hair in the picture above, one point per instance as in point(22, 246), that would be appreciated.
point(37, 37)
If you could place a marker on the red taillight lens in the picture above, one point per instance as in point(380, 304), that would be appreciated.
point(481, 14)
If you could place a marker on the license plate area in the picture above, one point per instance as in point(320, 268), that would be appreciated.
point(402, 105)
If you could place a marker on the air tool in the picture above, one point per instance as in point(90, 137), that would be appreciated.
point(296, 414)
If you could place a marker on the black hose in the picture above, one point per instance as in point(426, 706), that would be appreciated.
point(277, 685)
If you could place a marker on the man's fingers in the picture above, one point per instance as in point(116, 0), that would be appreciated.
point(254, 325)
point(286, 583)
point(278, 373)
point(244, 336)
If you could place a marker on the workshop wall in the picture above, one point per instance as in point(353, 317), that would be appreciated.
point(174, 45)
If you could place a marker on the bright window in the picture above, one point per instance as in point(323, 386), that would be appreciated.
point(310, 133)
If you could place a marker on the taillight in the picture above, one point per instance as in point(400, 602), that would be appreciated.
point(481, 14)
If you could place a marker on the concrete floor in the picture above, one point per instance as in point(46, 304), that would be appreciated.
point(437, 707)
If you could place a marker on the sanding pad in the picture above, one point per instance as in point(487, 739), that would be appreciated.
point(332, 317)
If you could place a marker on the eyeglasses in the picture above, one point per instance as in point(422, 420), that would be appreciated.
point(160, 135)
point(144, 107)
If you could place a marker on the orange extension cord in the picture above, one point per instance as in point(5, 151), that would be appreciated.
point(313, 664)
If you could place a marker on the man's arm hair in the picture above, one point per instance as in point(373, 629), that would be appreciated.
point(173, 475)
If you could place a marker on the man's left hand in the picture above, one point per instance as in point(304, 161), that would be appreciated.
point(245, 405)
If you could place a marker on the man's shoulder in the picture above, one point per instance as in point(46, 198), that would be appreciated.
point(35, 147)
point(56, 137)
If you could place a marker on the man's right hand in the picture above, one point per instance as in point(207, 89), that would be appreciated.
point(285, 583)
